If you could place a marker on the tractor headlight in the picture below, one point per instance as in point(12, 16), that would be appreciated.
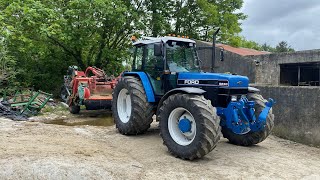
point(233, 98)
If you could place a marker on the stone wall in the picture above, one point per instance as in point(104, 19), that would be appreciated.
point(268, 70)
point(297, 115)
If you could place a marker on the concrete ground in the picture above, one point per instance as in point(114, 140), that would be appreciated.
point(34, 150)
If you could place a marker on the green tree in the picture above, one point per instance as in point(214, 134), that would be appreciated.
point(195, 18)
point(7, 71)
point(47, 36)
point(283, 47)
point(238, 41)
point(266, 47)
point(229, 18)
point(158, 17)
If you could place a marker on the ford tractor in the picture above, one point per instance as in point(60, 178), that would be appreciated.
point(193, 107)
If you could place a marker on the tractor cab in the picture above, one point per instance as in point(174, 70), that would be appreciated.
point(171, 62)
point(162, 59)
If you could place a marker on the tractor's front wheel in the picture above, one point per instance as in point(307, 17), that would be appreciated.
point(131, 111)
point(189, 126)
point(252, 138)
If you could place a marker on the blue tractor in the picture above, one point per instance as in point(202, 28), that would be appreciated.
point(193, 107)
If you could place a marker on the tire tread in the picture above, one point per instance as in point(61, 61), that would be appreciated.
point(142, 110)
point(208, 138)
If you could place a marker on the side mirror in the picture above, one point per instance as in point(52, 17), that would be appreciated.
point(157, 49)
point(221, 55)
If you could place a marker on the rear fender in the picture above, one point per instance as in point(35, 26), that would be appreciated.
point(145, 82)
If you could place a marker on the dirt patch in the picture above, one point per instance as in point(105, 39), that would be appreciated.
point(92, 118)
point(34, 150)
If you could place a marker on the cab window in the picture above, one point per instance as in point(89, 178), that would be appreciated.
point(137, 63)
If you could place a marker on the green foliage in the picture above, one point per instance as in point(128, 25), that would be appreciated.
point(266, 47)
point(283, 47)
point(238, 41)
point(157, 17)
point(48, 36)
point(194, 18)
point(58, 109)
point(7, 71)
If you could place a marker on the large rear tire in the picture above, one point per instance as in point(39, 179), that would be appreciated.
point(131, 111)
point(204, 131)
point(252, 138)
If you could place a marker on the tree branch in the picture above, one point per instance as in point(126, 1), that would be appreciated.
point(77, 57)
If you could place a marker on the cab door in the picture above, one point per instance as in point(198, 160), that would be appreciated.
point(153, 66)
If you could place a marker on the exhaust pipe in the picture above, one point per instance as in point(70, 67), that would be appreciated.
point(214, 49)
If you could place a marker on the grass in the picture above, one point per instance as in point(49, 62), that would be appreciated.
point(57, 109)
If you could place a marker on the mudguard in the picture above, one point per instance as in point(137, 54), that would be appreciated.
point(145, 82)
point(186, 90)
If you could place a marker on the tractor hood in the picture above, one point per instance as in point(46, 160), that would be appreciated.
point(212, 79)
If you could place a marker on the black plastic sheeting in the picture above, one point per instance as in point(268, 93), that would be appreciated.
point(7, 112)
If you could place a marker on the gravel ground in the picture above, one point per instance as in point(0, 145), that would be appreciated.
point(34, 150)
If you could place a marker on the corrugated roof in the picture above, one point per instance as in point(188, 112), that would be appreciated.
point(240, 51)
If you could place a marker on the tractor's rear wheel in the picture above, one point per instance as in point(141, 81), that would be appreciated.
point(252, 138)
point(131, 111)
point(189, 126)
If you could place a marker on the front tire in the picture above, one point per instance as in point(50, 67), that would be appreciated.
point(252, 138)
point(131, 110)
point(204, 131)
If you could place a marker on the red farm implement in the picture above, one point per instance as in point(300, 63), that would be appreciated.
point(92, 88)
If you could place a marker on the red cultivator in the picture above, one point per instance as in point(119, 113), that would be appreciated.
point(92, 88)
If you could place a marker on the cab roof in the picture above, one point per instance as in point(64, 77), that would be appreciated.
point(151, 40)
